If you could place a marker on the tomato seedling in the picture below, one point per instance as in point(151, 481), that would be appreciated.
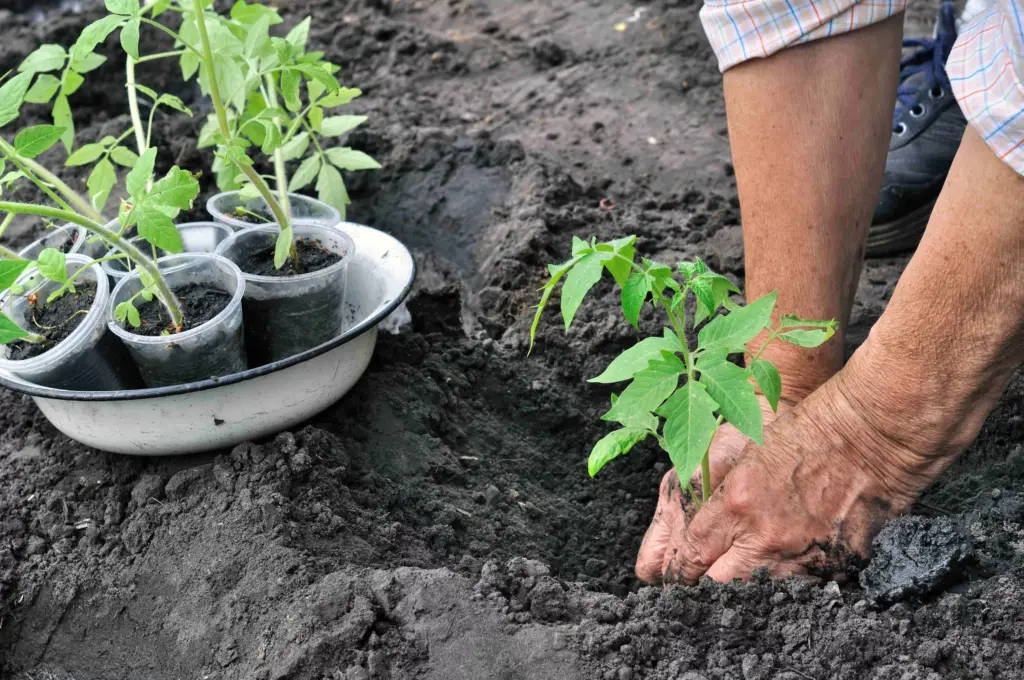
point(683, 418)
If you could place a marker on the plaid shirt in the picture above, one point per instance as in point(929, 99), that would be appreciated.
point(985, 68)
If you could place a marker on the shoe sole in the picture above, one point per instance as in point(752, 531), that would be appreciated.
point(899, 235)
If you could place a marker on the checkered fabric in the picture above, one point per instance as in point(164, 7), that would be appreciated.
point(742, 30)
point(985, 67)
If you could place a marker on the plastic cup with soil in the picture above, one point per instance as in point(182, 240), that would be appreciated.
point(69, 239)
point(78, 351)
point(287, 311)
point(238, 213)
point(211, 342)
point(196, 237)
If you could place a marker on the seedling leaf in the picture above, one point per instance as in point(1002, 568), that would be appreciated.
point(33, 141)
point(140, 175)
point(62, 118)
point(637, 357)
point(283, 247)
point(335, 126)
point(178, 189)
point(634, 293)
point(734, 331)
point(580, 280)
point(43, 89)
point(46, 58)
point(10, 270)
point(649, 389)
point(12, 95)
point(100, 183)
point(307, 171)
point(768, 379)
point(807, 338)
point(158, 229)
point(10, 331)
point(85, 155)
point(613, 445)
point(53, 265)
point(689, 427)
point(730, 387)
point(350, 159)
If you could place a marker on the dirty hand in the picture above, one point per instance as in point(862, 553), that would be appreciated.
point(675, 506)
point(808, 502)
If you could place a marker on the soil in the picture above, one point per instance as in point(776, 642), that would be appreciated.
point(438, 522)
point(313, 257)
point(199, 304)
point(55, 321)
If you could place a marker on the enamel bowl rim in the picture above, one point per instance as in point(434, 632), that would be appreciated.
point(370, 322)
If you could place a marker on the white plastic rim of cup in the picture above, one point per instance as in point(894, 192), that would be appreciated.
point(303, 210)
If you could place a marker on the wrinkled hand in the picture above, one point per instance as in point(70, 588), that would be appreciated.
point(808, 502)
point(676, 507)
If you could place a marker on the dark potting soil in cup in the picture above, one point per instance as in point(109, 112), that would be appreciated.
point(313, 256)
point(280, 328)
point(199, 304)
point(54, 321)
point(221, 351)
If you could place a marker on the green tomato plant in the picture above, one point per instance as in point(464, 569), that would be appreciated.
point(679, 394)
point(247, 74)
point(151, 208)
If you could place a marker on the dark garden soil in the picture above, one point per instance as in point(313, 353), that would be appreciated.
point(55, 321)
point(199, 304)
point(438, 522)
point(313, 257)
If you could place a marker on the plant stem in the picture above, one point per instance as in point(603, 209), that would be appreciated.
point(283, 220)
point(705, 476)
point(160, 55)
point(133, 105)
point(163, 292)
point(9, 254)
point(279, 167)
point(17, 162)
point(80, 203)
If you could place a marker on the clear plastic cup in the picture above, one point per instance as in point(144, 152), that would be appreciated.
point(223, 207)
point(91, 358)
point(214, 349)
point(70, 238)
point(287, 315)
point(196, 237)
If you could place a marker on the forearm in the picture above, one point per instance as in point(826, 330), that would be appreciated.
point(809, 128)
point(953, 333)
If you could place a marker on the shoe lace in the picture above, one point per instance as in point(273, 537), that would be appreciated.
point(929, 59)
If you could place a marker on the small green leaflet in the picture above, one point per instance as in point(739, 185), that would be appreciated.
point(617, 257)
point(12, 95)
point(307, 171)
point(730, 386)
point(711, 290)
point(806, 338)
point(690, 426)
point(70, 83)
point(769, 380)
point(613, 445)
point(10, 331)
point(130, 7)
point(245, 13)
point(297, 146)
point(335, 126)
point(340, 98)
point(350, 159)
point(649, 389)
point(123, 156)
point(299, 35)
point(33, 141)
point(130, 38)
point(94, 34)
point(791, 321)
point(46, 58)
point(100, 183)
point(126, 312)
point(158, 229)
point(634, 294)
point(283, 247)
point(733, 331)
point(90, 62)
point(62, 118)
point(636, 358)
point(10, 270)
point(85, 155)
point(43, 89)
point(330, 188)
point(557, 272)
point(580, 280)
point(52, 265)
point(139, 177)
point(177, 189)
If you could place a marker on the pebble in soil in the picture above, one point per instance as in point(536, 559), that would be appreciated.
point(55, 321)
point(313, 256)
point(199, 304)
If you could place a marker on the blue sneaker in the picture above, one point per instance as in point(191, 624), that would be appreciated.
point(927, 127)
